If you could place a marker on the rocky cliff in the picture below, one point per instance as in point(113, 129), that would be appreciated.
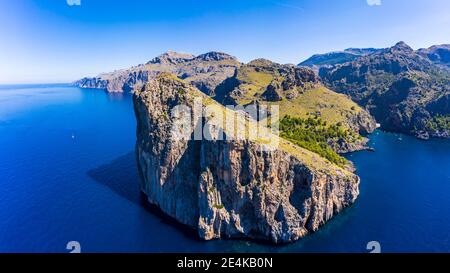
point(234, 187)
point(205, 72)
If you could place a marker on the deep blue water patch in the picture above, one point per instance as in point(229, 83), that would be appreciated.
point(68, 173)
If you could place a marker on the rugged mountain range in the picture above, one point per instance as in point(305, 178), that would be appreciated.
point(297, 90)
point(438, 54)
point(405, 90)
point(204, 71)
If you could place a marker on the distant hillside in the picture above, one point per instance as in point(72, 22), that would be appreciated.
point(402, 88)
point(337, 57)
point(204, 71)
point(438, 54)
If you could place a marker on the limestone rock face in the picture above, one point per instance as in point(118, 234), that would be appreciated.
point(232, 188)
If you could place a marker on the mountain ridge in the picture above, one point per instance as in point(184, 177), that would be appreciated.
point(439, 54)
point(336, 57)
point(204, 71)
point(400, 87)
point(406, 90)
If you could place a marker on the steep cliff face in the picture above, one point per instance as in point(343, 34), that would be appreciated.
point(231, 188)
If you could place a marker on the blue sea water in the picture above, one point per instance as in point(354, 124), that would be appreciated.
point(68, 173)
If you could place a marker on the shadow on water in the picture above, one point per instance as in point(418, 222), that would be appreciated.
point(121, 176)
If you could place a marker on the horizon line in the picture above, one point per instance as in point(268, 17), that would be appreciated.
point(169, 50)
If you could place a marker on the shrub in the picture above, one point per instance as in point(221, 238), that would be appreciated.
point(313, 134)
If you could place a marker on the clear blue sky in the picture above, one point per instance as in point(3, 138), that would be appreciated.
point(51, 41)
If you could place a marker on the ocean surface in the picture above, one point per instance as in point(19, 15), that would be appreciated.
point(68, 173)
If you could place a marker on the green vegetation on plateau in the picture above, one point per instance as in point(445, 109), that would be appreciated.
point(336, 121)
point(439, 123)
point(313, 134)
point(333, 107)
point(297, 91)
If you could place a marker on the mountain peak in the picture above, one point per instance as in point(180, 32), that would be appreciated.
point(438, 54)
point(361, 51)
point(171, 57)
point(402, 46)
point(261, 62)
point(215, 56)
point(445, 46)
